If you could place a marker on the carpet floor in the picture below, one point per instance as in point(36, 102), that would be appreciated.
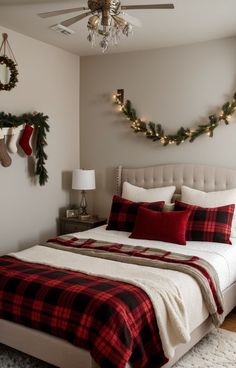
point(217, 350)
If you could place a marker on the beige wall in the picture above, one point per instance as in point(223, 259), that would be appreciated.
point(175, 86)
point(49, 83)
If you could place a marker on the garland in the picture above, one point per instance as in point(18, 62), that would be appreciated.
point(39, 121)
point(155, 132)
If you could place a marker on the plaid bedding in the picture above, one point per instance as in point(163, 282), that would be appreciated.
point(114, 320)
point(201, 270)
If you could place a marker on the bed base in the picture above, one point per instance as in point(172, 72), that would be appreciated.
point(64, 355)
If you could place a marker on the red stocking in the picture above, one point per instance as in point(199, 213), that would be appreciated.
point(24, 140)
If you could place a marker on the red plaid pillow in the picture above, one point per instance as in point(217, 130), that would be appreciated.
point(208, 224)
point(124, 212)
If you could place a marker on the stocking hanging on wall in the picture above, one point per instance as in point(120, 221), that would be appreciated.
point(5, 159)
point(12, 146)
point(25, 140)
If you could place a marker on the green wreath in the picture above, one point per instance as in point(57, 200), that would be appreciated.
point(4, 60)
point(156, 132)
point(39, 121)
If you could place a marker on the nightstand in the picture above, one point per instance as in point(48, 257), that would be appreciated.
point(74, 224)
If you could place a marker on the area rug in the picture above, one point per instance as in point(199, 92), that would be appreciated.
point(217, 350)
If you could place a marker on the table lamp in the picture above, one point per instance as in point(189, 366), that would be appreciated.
point(83, 180)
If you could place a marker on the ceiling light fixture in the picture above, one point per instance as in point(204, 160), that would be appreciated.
point(109, 25)
point(107, 20)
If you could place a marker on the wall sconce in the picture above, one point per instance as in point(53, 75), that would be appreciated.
point(120, 94)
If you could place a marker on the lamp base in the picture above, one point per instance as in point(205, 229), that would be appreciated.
point(84, 217)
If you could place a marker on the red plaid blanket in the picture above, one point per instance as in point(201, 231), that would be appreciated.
point(196, 267)
point(114, 320)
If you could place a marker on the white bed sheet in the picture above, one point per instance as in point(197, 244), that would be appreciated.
point(221, 256)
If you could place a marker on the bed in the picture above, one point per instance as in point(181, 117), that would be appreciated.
point(62, 354)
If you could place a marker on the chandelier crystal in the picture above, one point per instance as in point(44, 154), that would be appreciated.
point(109, 25)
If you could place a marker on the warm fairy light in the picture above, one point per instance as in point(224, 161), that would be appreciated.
point(141, 125)
point(114, 96)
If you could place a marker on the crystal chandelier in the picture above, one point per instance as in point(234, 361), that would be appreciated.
point(108, 24)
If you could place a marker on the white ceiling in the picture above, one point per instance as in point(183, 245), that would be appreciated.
point(191, 21)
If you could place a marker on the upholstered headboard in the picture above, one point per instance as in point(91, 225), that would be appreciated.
point(202, 177)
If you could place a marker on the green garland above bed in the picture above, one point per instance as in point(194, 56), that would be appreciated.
point(156, 132)
point(39, 122)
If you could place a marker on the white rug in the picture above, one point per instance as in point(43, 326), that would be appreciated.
point(217, 350)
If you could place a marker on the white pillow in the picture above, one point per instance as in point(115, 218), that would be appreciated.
point(138, 194)
point(210, 200)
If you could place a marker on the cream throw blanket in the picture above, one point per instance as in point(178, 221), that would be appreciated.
point(157, 283)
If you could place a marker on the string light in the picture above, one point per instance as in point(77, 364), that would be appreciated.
point(156, 132)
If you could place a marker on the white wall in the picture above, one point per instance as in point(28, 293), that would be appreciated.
point(177, 86)
point(48, 83)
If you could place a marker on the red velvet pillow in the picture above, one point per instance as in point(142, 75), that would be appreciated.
point(208, 224)
point(164, 226)
point(123, 213)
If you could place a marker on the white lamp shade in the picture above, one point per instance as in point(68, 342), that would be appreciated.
point(83, 179)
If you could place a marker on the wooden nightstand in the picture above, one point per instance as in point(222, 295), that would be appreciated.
point(74, 224)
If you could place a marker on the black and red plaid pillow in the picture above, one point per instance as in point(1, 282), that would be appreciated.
point(124, 212)
point(208, 224)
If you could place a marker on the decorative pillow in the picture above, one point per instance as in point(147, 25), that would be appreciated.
point(208, 224)
point(123, 213)
point(164, 226)
point(138, 194)
point(210, 199)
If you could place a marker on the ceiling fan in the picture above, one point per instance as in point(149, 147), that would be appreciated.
point(107, 19)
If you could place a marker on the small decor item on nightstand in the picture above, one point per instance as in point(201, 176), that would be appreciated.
point(72, 213)
point(83, 180)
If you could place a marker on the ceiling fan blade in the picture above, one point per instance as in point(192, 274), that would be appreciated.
point(132, 20)
point(151, 6)
point(73, 20)
point(60, 12)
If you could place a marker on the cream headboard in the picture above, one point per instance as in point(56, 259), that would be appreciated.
point(206, 178)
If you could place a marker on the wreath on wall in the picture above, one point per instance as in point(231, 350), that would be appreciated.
point(156, 132)
point(11, 65)
point(37, 121)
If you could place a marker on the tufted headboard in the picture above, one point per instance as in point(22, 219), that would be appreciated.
point(202, 177)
